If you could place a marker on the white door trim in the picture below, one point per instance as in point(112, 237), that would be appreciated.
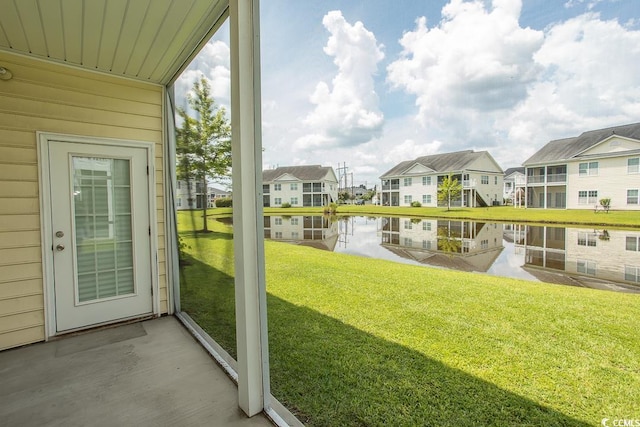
point(46, 227)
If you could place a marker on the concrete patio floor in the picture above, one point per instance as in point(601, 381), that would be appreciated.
point(139, 374)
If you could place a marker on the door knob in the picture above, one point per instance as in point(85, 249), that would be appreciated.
point(59, 234)
point(60, 248)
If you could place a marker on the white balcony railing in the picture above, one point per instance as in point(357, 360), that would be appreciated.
point(469, 183)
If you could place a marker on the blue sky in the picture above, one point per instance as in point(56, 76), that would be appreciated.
point(372, 83)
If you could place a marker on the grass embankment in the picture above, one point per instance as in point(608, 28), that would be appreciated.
point(494, 214)
point(356, 341)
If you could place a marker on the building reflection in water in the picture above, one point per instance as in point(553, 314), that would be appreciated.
point(320, 232)
point(459, 245)
point(602, 259)
point(586, 257)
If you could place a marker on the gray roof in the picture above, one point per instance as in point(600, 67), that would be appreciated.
point(447, 162)
point(509, 171)
point(568, 148)
point(303, 173)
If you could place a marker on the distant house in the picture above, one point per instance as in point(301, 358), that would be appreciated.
point(190, 195)
point(575, 173)
point(214, 193)
point(418, 180)
point(312, 185)
point(513, 178)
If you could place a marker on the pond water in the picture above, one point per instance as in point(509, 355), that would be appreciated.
point(587, 257)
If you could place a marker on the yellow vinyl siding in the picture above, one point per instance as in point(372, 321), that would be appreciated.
point(54, 98)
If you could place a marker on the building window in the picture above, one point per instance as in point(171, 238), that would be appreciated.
point(484, 179)
point(633, 243)
point(586, 267)
point(294, 200)
point(426, 180)
point(426, 244)
point(587, 197)
point(408, 241)
point(278, 221)
point(633, 165)
point(426, 199)
point(179, 185)
point(407, 200)
point(631, 273)
point(407, 182)
point(495, 180)
point(278, 235)
point(426, 225)
point(277, 187)
point(277, 201)
point(179, 202)
point(588, 168)
point(632, 197)
point(407, 224)
point(295, 235)
point(295, 221)
point(586, 239)
point(294, 186)
point(484, 244)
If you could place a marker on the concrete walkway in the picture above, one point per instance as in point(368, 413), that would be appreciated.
point(151, 373)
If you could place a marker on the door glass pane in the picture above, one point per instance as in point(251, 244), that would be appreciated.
point(103, 232)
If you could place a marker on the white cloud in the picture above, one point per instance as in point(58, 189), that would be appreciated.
point(590, 81)
point(467, 71)
point(213, 62)
point(590, 4)
point(483, 82)
point(346, 113)
point(474, 59)
point(410, 149)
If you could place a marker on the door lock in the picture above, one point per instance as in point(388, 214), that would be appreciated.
point(60, 248)
point(59, 234)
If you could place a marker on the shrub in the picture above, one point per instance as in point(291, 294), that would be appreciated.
point(285, 205)
point(416, 204)
point(225, 202)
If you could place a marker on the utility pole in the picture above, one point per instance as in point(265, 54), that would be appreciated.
point(342, 173)
point(351, 173)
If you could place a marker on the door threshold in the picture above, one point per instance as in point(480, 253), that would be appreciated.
point(101, 326)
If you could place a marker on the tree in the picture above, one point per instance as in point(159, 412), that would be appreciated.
point(449, 189)
point(343, 196)
point(203, 143)
point(369, 195)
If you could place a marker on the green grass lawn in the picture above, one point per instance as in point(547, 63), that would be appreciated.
point(356, 341)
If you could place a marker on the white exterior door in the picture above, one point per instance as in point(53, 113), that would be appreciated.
point(100, 233)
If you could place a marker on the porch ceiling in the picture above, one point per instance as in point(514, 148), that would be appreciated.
point(149, 40)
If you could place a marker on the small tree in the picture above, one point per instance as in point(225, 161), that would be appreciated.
point(203, 143)
point(449, 189)
point(343, 196)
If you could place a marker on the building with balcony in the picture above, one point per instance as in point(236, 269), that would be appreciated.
point(513, 193)
point(190, 195)
point(312, 185)
point(575, 173)
point(418, 180)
